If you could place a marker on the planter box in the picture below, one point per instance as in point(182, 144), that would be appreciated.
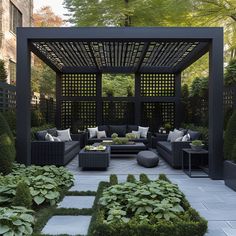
point(230, 174)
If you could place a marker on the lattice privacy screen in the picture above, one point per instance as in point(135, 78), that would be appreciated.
point(116, 112)
point(78, 115)
point(83, 85)
point(156, 114)
point(157, 85)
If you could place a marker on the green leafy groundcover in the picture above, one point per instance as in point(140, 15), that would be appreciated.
point(45, 183)
point(137, 208)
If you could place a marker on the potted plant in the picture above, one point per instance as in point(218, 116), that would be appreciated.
point(130, 136)
point(230, 153)
point(167, 127)
point(197, 145)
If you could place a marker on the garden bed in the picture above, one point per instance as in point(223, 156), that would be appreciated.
point(144, 208)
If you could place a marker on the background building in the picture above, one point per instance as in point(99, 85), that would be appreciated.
point(13, 14)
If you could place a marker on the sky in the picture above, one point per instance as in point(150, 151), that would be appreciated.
point(56, 6)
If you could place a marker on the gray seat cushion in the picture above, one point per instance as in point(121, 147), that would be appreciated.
point(70, 145)
point(165, 145)
point(147, 159)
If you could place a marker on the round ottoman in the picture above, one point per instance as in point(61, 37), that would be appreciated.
point(147, 159)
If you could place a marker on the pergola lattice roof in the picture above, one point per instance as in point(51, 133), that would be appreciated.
point(119, 55)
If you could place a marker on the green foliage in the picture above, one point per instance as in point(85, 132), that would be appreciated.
point(10, 117)
point(144, 178)
point(45, 183)
point(130, 136)
point(164, 178)
point(22, 196)
point(230, 72)
point(188, 223)
point(16, 221)
point(141, 200)
point(34, 130)
point(3, 71)
point(117, 85)
point(37, 118)
point(43, 80)
point(7, 147)
point(167, 126)
point(227, 114)
point(131, 178)
point(230, 137)
point(197, 143)
point(114, 135)
point(233, 157)
point(113, 179)
point(185, 103)
point(120, 140)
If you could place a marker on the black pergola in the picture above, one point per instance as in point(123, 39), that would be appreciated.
point(156, 56)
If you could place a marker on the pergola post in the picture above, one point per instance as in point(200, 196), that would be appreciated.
point(177, 100)
point(23, 99)
point(58, 100)
point(216, 70)
point(137, 103)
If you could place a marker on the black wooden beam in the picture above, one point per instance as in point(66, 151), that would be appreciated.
point(94, 58)
point(193, 56)
point(216, 83)
point(23, 100)
point(141, 58)
point(41, 56)
point(156, 70)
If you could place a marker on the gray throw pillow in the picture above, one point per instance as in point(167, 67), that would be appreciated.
point(143, 131)
point(93, 132)
point(101, 134)
point(64, 135)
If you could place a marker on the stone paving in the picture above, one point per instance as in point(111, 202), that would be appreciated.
point(211, 198)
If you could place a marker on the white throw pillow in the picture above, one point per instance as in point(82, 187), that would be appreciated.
point(143, 131)
point(176, 134)
point(169, 136)
point(56, 139)
point(101, 134)
point(136, 133)
point(93, 132)
point(186, 138)
point(48, 137)
point(64, 135)
point(178, 139)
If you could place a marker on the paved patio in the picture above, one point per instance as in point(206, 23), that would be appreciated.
point(211, 198)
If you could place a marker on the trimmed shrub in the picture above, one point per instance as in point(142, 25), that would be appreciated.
point(144, 178)
point(230, 138)
point(3, 71)
point(23, 197)
point(113, 179)
point(37, 118)
point(10, 117)
point(7, 147)
point(131, 178)
point(163, 177)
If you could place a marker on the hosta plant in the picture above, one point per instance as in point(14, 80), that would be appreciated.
point(142, 200)
point(16, 221)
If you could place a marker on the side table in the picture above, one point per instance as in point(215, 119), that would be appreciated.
point(190, 157)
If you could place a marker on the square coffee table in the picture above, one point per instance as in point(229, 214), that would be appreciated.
point(94, 159)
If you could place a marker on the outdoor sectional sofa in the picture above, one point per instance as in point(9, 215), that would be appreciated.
point(54, 153)
point(121, 130)
point(172, 151)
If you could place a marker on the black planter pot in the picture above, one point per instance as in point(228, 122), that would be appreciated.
point(230, 174)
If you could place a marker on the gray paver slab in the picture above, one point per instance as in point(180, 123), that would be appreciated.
point(71, 225)
point(78, 202)
point(232, 224)
point(229, 232)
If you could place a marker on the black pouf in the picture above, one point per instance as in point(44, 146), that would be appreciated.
point(147, 159)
